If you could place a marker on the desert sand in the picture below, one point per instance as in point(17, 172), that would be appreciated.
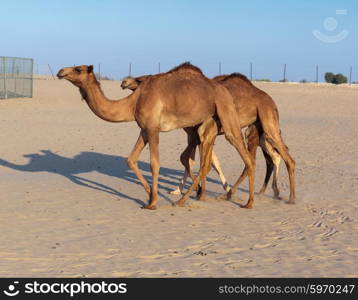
point(70, 207)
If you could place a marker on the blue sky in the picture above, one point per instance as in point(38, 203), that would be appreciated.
point(114, 33)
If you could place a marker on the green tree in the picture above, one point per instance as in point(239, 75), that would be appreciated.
point(329, 77)
point(339, 78)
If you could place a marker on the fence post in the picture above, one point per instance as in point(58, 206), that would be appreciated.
point(350, 75)
point(51, 72)
point(32, 78)
point(284, 73)
point(99, 72)
point(4, 60)
point(130, 69)
point(317, 74)
point(159, 67)
point(251, 71)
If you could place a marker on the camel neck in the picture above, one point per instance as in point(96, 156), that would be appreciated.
point(121, 110)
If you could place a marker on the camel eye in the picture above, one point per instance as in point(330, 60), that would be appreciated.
point(78, 70)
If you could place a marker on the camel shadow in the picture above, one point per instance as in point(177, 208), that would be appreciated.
point(85, 162)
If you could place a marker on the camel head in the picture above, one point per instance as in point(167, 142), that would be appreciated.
point(132, 83)
point(77, 75)
point(129, 83)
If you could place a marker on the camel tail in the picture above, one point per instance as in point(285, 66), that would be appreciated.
point(269, 120)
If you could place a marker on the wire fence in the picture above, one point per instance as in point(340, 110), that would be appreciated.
point(16, 77)
point(256, 71)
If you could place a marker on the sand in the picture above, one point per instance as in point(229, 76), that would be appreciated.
point(70, 207)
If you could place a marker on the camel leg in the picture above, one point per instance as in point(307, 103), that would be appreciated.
point(181, 185)
point(269, 168)
point(217, 168)
point(133, 159)
point(187, 158)
point(206, 154)
point(273, 160)
point(253, 139)
point(232, 130)
point(209, 132)
point(290, 165)
point(249, 165)
point(276, 162)
point(273, 136)
point(153, 139)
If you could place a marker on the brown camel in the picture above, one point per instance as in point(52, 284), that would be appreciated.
point(248, 102)
point(180, 98)
point(132, 84)
point(259, 109)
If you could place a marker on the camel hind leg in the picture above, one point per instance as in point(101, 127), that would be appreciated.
point(270, 125)
point(209, 132)
point(232, 130)
point(187, 158)
point(252, 136)
point(217, 167)
point(273, 160)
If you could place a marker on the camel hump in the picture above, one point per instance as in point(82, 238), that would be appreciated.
point(142, 78)
point(237, 76)
point(186, 67)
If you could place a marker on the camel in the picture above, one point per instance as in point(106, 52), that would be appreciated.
point(257, 108)
point(260, 110)
point(132, 84)
point(180, 98)
point(249, 100)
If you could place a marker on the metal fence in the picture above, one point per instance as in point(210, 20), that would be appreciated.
point(15, 77)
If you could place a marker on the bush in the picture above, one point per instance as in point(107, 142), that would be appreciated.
point(339, 78)
point(335, 78)
point(263, 79)
point(329, 77)
point(303, 81)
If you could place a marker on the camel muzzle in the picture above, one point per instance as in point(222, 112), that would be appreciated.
point(60, 75)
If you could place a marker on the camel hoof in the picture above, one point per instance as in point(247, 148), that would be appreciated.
point(248, 206)
point(202, 198)
point(175, 192)
point(179, 204)
point(278, 197)
point(221, 197)
point(150, 207)
point(291, 201)
point(226, 196)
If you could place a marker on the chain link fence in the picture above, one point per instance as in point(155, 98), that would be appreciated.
point(16, 75)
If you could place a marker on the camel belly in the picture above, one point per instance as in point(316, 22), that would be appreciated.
point(168, 123)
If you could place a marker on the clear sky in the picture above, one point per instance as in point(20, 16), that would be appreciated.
point(114, 33)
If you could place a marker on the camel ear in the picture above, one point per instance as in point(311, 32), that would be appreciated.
point(90, 69)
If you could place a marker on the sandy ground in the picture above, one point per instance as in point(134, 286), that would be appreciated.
point(71, 207)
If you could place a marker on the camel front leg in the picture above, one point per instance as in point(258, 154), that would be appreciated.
point(153, 139)
point(133, 159)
